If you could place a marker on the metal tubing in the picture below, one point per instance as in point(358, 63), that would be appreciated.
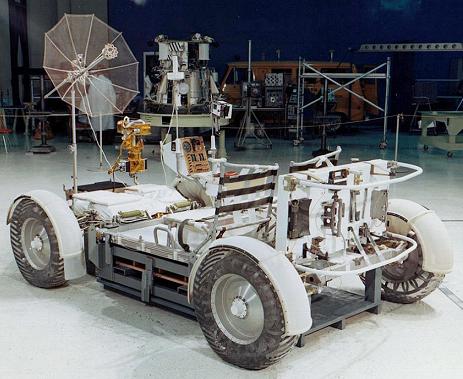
point(345, 75)
point(298, 117)
point(325, 97)
point(320, 158)
point(397, 137)
point(248, 104)
point(4, 143)
point(74, 140)
point(42, 88)
point(312, 102)
point(398, 257)
point(386, 98)
point(356, 187)
point(248, 116)
point(368, 73)
point(249, 60)
point(101, 141)
point(302, 98)
point(250, 166)
point(242, 225)
point(371, 74)
point(346, 89)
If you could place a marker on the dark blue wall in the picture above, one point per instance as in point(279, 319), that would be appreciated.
point(299, 28)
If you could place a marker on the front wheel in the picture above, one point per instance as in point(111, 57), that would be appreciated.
point(35, 245)
point(406, 282)
point(239, 311)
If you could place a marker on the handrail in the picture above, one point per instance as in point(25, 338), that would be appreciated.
point(253, 166)
point(337, 187)
point(170, 240)
point(320, 159)
point(399, 257)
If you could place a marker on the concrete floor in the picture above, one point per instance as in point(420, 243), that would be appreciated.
point(81, 330)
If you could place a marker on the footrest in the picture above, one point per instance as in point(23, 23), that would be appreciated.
point(334, 306)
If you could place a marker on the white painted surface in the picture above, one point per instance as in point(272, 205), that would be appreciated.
point(66, 228)
point(147, 198)
point(430, 231)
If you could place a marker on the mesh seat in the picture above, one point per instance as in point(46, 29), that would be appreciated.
point(244, 200)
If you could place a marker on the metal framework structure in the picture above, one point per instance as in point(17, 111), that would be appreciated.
point(307, 71)
point(410, 47)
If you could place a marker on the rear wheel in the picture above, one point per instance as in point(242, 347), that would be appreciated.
point(407, 282)
point(239, 311)
point(35, 245)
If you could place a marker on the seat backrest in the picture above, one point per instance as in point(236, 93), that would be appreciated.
point(245, 187)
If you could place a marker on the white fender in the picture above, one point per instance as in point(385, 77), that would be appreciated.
point(282, 274)
point(430, 230)
point(66, 227)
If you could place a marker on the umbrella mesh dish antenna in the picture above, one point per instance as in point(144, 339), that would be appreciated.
point(84, 53)
point(91, 66)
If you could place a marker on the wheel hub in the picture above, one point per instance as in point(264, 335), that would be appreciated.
point(239, 307)
point(37, 244)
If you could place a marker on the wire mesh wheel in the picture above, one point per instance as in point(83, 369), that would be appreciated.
point(35, 245)
point(406, 282)
point(239, 311)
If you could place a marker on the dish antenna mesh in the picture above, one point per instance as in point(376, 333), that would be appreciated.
point(92, 68)
point(84, 53)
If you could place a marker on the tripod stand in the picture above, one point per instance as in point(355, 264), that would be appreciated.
point(249, 129)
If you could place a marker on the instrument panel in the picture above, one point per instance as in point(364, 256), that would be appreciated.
point(195, 155)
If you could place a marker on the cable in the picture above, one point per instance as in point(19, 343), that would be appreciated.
point(113, 167)
point(97, 141)
point(101, 149)
point(281, 127)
